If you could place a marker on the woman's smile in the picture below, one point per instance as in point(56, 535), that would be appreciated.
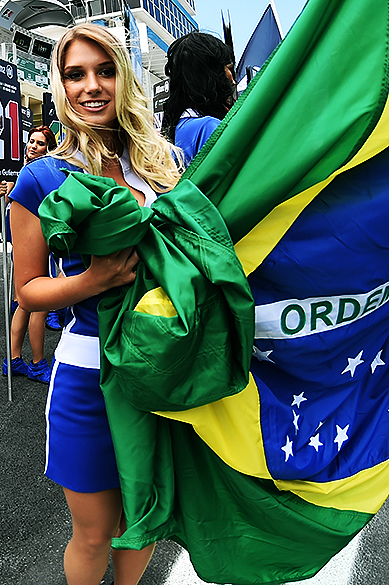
point(94, 104)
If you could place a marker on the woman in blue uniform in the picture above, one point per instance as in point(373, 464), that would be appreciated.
point(109, 132)
point(202, 89)
point(41, 140)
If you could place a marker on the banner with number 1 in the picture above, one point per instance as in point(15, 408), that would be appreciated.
point(11, 150)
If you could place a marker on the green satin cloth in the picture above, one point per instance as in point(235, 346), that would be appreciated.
point(92, 215)
point(202, 353)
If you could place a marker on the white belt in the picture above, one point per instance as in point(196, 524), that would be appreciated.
point(78, 350)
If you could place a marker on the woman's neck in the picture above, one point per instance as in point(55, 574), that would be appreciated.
point(112, 141)
point(113, 169)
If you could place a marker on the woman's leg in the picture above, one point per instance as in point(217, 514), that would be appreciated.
point(36, 331)
point(18, 331)
point(129, 565)
point(96, 519)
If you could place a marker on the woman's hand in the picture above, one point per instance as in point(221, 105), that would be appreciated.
point(36, 291)
point(115, 269)
point(3, 188)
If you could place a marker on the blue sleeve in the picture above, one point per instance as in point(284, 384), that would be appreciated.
point(38, 179)
point(27, 191)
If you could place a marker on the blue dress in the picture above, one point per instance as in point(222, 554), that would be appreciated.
point(79, 449)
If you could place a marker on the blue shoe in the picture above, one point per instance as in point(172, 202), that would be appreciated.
point(18, 367)
point(52, 321)
point(40, 372)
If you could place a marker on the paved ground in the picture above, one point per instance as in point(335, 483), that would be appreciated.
point(35, 524)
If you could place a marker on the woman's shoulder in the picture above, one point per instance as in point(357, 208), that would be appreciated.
point(46, 164)
point(198, 122)
point(193, 133)
point(37, 179)
point(47, 171)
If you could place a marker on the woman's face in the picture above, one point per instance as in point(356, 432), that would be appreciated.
point(90, 83)
point(36, 146)
point(230, 76)
point(229, 69)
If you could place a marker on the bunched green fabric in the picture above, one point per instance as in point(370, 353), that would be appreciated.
point(200, 354)
point(150, 362)
point(74, 225)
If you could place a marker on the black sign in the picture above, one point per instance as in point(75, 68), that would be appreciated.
point(48, 109)
point(27, 118)
point(23, 42)
point(11, 151)
point(41, 49)
point(50, 118)
point(161, 94)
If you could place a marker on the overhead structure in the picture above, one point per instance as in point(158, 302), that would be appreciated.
point(38, 13)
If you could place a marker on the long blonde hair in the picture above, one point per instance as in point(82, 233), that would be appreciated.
point(150, 154)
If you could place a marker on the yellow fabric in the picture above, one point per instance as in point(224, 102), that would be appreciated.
point(156, 302)
point(365, 491)
point(231, 428)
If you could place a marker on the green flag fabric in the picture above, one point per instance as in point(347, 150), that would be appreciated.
point(201, 351)
point(173, 362)
point(306, 113)
point(200, 472)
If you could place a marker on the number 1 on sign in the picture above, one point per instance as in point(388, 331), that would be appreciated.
point(12, 113)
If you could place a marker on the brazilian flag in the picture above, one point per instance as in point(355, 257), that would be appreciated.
point(260, 439)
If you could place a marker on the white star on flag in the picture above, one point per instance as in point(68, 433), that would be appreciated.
point(353, 363)
point(297, 400)
point(377, 362)
point(262, 356)
point(288, 448)
point(295, 421)
point(315, 442)
point(341, 437)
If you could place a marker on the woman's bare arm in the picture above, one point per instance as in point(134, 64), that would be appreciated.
point(36, 291)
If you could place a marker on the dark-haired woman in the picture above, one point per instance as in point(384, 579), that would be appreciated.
point(200, 68)
point(40, 141)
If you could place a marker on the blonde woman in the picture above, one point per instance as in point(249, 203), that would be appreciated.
point(110, 133)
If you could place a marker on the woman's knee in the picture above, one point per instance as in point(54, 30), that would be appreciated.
point(92, 543)
point(96, 518)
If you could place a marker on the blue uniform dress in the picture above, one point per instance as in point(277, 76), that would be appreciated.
point(79, 450)
point(193, 131)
